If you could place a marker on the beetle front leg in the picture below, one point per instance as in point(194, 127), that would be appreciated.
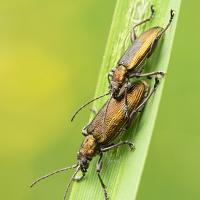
point(98, 170)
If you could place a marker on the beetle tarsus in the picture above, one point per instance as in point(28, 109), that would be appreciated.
point(172, 13)
point(131, 145)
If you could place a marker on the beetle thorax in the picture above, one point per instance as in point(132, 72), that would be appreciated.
point(118, 79)
point(89, 146)
point(88, 150)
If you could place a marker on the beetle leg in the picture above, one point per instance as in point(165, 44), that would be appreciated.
point(130, 144)
point(139, 108)
point(147, 95)
point(98, 170)
point(150, 74)
point(172, 13)
point(130, 119)
point(133, 33)
point(127, 85)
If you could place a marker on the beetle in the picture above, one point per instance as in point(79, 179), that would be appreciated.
point(130, 63)
point(99, 135)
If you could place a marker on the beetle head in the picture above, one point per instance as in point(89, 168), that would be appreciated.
point(83, 162)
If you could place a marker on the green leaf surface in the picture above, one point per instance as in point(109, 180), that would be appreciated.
point(122, 169)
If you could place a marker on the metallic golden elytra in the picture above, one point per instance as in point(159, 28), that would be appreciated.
point(130, 63)
point(100, 133)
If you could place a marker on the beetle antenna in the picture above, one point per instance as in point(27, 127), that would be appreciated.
point(84, 105)
point(70, 182)
point(52, 173)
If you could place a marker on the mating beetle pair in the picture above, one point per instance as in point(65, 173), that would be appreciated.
point(125, 102)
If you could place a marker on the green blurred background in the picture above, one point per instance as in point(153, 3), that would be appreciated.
point(50, 55)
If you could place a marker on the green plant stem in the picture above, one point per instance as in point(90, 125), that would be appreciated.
point(122, 169)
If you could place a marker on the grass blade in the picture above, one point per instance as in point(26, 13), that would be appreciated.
point(122, 169)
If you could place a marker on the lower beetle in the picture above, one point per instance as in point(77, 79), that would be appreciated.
point(100, 133)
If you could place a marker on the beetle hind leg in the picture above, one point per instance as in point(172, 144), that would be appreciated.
point(172, 13)
point(140, 107)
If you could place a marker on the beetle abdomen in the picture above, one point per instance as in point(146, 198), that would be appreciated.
point(105, 130)
point(140, 49)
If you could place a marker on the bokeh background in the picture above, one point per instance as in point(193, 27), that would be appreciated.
point(50, 55)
